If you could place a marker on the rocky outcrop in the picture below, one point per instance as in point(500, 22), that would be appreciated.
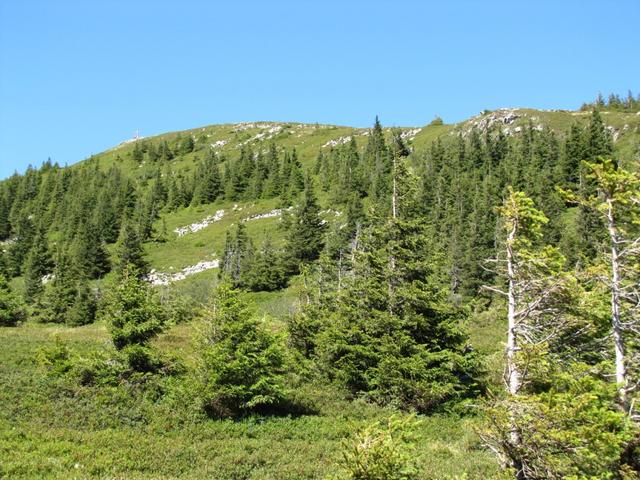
point(338, 141)
point(159, 278)
point(276, 212)
point(196, 227)
point(505, 119)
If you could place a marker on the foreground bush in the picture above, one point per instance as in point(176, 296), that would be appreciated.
point(382, 452)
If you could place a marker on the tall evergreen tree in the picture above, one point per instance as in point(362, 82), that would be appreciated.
point(129, 250)
point(306, 234)
point(37, 265)
point(390, 331)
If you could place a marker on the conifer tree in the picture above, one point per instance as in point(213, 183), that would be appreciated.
point(241, 362)
point(266, 271)
point(62, 290)
point(132, 313)
point(37, 265)
point(129, 250)
point(238, 255)
point(89, 252)
point(390, 331)
point(11, 308)
point(5, 225)
point(377, 161)
point(306, 234)
point(208, 182)
point(537, 291)
point(616, 201)
point(25, 232)
point(83, 310)
point(137, 154)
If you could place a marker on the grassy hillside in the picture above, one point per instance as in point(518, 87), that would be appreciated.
point(308, 139)
point(51, 427)
point(55, 429)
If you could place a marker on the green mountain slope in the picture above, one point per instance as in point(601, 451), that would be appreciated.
point(207, 244)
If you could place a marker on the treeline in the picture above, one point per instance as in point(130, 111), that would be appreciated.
point(463, 178)
point(614, 103)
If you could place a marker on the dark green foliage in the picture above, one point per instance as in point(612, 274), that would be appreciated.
point(389, 331)
point(83, 310)
point(5, 224)
point(207, 181)
point(266, 270)
point(61, 292)
point(129, 250)
point(11, 308)
point(137, 155)
point(37, 265)
point(186, 145)
point(90, 256)
point(241, 362)
point(306, 233)
point(132, 313)
point(614, 103)
point(24, 233)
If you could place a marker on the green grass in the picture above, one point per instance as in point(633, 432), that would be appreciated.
point(52, 428)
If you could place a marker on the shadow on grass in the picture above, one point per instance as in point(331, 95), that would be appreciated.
point(283, 408)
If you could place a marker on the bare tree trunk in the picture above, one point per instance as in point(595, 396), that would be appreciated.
point(616, 323)
point(513, 375)
point(392, 258)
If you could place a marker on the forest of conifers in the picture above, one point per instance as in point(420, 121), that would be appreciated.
point(465, 306)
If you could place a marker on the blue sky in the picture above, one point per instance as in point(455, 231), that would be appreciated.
point(77, 77)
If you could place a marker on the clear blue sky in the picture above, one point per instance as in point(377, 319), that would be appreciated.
point(77, 77)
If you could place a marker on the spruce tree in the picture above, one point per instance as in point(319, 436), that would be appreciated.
point(238, 255)
point(90, 256)
point(266, 271)
point(62, 291)
point(24, 234)
point(11, 308)
point(306, 234)
point(390, 331)
point(83, 310)
point(241, 362)
point(134, 317)
point(37, 265)
point(129, 250)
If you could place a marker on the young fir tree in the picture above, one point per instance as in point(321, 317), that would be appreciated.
point(90, 255)
point(306, 233)
point(241, 362)
point(24, 234)
point(11, 308)
point(134, 317)
point(208, 182)
point(61, 291)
